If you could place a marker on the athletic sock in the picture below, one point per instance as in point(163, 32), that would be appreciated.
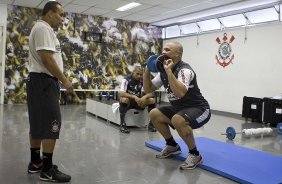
point(123, 108)
point(122, 112)
point(35, 155)
point(194, 151)
point(171, 142)
point(122, 119)
point(47, 161)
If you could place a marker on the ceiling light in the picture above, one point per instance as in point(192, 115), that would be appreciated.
point(128, 6)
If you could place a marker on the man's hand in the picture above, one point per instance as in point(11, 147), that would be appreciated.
point(142, 101)
point(68, 86)
point(143, 98)
point(139, 101)
point(168, 64)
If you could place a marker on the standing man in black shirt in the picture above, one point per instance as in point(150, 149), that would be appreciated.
point(188, 110)
point(132, 97)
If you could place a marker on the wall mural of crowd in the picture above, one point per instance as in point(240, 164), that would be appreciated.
point(91, 60)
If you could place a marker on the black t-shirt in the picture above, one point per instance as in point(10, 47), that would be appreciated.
point(193, 97)
point(132, 86)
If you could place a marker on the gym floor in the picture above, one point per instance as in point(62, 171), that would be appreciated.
point(94, 151)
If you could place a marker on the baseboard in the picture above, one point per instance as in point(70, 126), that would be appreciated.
point(227, 114)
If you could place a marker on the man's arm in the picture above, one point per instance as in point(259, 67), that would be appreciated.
point(127, 95)
point(147, 83)
point(148, 95)
point(51, 65)
point(177, 87)
point(123, 89)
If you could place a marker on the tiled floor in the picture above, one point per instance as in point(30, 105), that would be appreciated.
point(93, 151)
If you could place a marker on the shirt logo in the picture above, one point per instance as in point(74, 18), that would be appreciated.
point(170, 95)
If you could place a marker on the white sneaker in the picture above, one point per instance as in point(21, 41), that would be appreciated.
point(168, 151)
point(191, 162)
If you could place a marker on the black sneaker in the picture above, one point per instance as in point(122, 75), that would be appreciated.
point(123, 129)
point(34, 168)
point(54, 175)
point(151, 127)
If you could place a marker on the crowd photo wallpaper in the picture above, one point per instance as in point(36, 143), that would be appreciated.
point(97, 51)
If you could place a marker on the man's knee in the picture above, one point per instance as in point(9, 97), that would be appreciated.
point(151, 101)
point(156, 115)
point(124, 100)
point(178, 121)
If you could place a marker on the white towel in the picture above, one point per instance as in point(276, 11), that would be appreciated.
point(115, 107)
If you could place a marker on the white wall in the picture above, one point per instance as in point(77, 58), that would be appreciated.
point(256, 70)
point(3, 23)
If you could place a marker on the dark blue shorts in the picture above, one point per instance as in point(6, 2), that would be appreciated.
point(195, 116)
point(43, 94)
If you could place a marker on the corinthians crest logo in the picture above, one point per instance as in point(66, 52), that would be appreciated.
point(55, 126)
point(225, 55)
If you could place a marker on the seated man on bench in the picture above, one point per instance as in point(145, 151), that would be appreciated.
point(132, 97)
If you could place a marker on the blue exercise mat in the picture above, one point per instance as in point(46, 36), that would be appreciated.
point(237, 163)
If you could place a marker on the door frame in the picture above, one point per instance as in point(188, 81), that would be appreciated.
point(2, 58)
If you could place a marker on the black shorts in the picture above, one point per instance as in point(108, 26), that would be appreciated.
point(196, 116)
point(133, 105)
point(43, 94)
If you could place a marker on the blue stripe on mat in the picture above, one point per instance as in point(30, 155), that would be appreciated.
point(237, 163)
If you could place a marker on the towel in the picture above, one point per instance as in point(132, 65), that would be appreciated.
point(115, 107)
